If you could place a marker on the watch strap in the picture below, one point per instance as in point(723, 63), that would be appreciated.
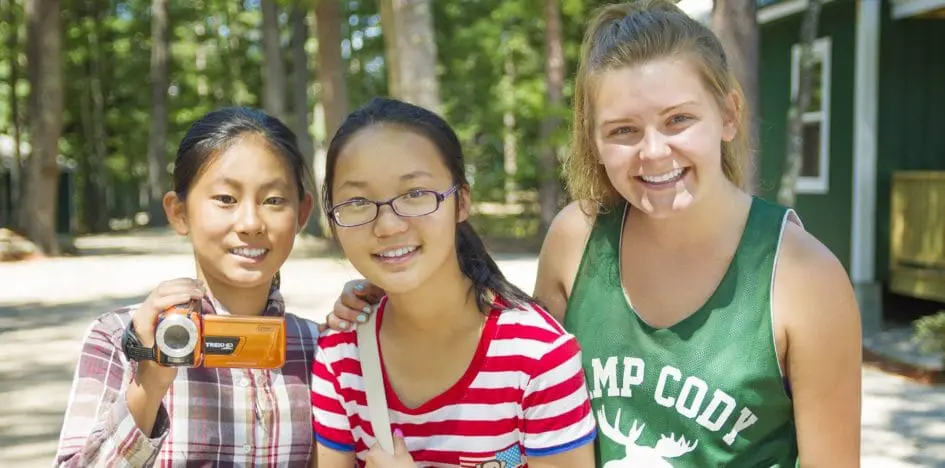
point(133, 348)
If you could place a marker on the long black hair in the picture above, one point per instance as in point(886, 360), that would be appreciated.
point(474, 260)
point(215, 132)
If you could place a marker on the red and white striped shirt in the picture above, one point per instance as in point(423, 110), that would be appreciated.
point(524, 394)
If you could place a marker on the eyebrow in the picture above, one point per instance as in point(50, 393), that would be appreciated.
point(270, 184)
point(408, 176)
point(677, 106)
point(663, 112)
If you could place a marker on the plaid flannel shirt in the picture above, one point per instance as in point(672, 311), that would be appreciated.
point(209, 417)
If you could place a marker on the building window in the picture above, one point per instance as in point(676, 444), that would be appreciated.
point(815, 167)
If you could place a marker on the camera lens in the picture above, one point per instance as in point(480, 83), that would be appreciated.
point(176, 337)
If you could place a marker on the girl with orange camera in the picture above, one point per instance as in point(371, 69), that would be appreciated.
point(241, 195)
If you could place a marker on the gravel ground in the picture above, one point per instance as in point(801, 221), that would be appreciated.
point(46, 306)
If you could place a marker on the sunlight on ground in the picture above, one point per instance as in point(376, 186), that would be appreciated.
point(47, 306)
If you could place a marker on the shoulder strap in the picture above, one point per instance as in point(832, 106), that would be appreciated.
point(374, 382)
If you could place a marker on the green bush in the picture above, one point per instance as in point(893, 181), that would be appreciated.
point(930, 334)
point(505, 226)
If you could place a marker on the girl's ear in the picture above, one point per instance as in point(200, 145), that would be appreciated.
point(464, 203)
point(730, 116)
point(305, 210)
point(176, 211)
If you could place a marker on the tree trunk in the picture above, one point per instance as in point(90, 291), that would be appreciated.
point(554, 84)
point(509, 140)
point(100, 151)
point(300, 78)
point(332, 101)
point(736, 24)
point(16, 168)
point(44, 71)
point(200, 63)
point(787, 195)
point(93, 124)
point(300, 108)
point(90, 203)
point(274, 83)
point(331, 73)
point(157, 161)
point(230, 59)
point(415, 54)
point(390, 47)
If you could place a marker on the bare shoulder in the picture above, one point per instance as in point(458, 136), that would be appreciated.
point(813, 293)
point(569, 232)
point(804, 263)
point(819, 321)
point(573, 222)
point(561, 254)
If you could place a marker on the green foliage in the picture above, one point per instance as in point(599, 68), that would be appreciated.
point(505, 226)
point(216, 60)
point(930, 333)
point(475, 40)
point(363, 48)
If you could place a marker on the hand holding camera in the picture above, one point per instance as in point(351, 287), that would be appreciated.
point(166, 295)
point(180, 335)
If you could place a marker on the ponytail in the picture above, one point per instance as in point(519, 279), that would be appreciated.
point(477, 265)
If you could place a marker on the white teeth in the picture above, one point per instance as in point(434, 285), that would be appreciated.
point(250, 253)
point(663, 177)
point(397, 252)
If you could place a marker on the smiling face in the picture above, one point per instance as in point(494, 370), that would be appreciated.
point(659, 132)
point(242, 214)
point(397, 253)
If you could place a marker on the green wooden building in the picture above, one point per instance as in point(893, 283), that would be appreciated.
point(877, 108)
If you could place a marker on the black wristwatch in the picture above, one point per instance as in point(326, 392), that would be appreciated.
point(133, 348)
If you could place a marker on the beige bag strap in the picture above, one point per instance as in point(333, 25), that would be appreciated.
point(374, 381)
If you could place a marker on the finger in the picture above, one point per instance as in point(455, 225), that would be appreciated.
point(351, 314)
point(178, 283)
point(163, 303)
point(370, 292)
point(400, 445)
point(179, 288)
point(336, 323)
point(350, 298)
point(364, 290)
point(375, 456)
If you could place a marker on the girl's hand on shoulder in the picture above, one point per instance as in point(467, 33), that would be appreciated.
point(378, 458)
point(354, 304)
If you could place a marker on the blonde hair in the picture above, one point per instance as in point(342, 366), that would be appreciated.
point(629, 34)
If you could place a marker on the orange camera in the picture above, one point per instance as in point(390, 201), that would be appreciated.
point(184, 337)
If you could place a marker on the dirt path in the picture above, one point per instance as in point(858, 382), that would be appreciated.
point(46, 307)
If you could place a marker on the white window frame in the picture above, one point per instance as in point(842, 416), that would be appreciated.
point(784, 9)
point(822, 49)
point(907, 8)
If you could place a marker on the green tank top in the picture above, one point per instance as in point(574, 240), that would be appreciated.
point(705, 392)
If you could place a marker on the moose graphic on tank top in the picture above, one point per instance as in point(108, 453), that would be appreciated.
point(689, 398)
point(641, 455)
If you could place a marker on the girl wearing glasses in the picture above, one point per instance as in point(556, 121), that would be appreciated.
point(476, 374)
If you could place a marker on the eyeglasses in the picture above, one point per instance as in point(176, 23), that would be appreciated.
point(412, 204)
